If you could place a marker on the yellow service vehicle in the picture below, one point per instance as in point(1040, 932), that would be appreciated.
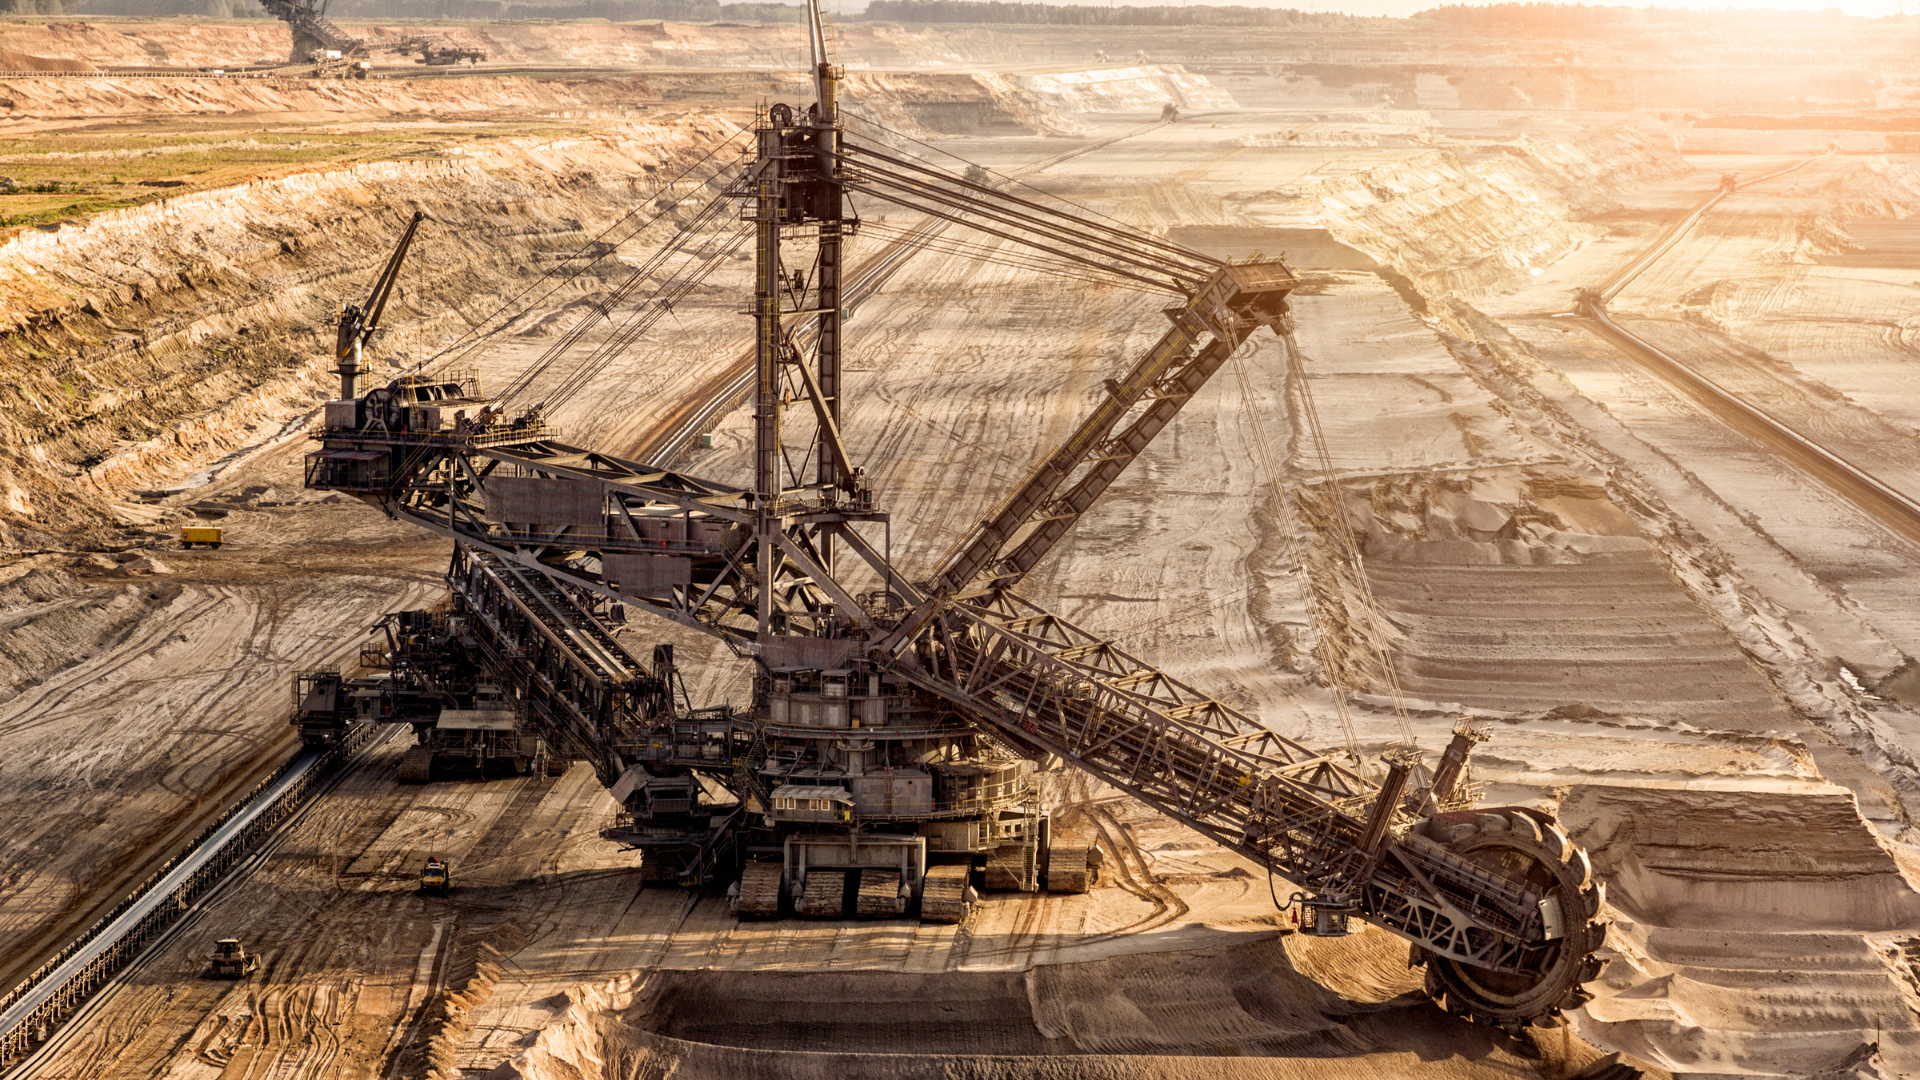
point(231, 960)
point(199, 534)
point(436, 878)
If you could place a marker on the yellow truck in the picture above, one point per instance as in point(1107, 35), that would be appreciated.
point(199, 534)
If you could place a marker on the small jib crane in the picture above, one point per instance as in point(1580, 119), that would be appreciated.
point(359, 322)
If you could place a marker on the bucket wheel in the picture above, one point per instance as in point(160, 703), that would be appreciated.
point(1527, 847)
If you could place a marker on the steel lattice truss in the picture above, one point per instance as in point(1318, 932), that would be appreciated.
point(791, 566)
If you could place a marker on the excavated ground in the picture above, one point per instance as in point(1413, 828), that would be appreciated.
point(1694, 654)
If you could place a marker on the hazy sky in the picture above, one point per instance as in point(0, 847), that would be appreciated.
point(1408, 7)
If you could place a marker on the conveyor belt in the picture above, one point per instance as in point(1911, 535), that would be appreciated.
point(53, 995)
point(1879, 500)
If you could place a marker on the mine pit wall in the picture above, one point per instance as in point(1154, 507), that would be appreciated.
point(58, 101)
point(1438, 226)
point(1699, 935)
point(1261, 1005)
point(1456, 227)
point(1447, 82)
point(129, 362)
point(923, 105)
point(45, 615)
point(129, 43)
point(107, 43)
point(1444, 228)
point(967, 101)
point(1465, 223)
point(144, 343)
point(1419, 66)
point(1127, 89)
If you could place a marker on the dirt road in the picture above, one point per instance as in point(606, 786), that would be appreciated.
point(1547, 541)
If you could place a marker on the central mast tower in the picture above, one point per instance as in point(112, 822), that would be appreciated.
point(855, 770)
point(796, 191)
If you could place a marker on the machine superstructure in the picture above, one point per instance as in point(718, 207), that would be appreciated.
point(896, 718)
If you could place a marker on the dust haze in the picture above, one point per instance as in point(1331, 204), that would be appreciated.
point(1601, 320)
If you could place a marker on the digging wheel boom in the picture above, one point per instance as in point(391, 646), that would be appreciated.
point(1499, 902)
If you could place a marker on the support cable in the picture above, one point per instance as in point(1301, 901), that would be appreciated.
point(1195, 262)
point(1350, 552)
point(1118, 247)
point(643, 320)
point(448, 355)
point(965, 211)
point(1011, 179)
point(714, 209)
point(959, 217)
point(617, 296)
point(1270, 472)
point(993, 254)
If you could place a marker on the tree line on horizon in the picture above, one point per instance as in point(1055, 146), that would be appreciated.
point(1573, 17)
point(482, 10)
point(1009, 12)
point(1492, 17)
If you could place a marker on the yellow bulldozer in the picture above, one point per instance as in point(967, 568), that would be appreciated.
point(231, 960)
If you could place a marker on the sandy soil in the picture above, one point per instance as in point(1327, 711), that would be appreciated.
point(1697, 656)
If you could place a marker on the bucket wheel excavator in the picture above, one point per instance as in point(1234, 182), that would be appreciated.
point(317, 38)
point(896, 715)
